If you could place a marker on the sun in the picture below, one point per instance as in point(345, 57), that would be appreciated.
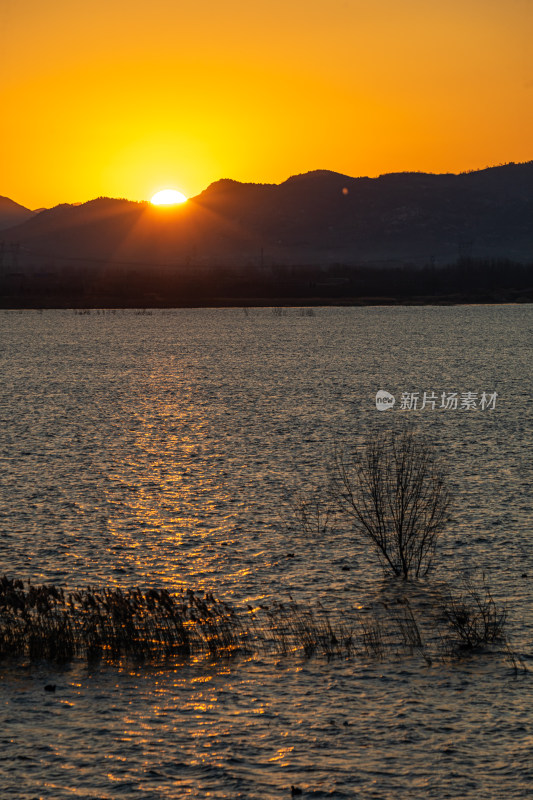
point(168, 197)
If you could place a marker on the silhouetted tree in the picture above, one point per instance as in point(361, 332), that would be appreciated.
point(394, 491)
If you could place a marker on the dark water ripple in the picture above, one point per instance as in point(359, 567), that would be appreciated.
point(253, 729)
point(157, 450)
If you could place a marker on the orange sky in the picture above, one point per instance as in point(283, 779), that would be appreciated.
point(125, 98)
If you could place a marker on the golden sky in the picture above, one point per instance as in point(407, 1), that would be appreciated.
point(125, 98)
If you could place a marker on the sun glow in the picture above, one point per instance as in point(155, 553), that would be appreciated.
point(168, 197)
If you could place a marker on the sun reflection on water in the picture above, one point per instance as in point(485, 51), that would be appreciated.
point(169, 489)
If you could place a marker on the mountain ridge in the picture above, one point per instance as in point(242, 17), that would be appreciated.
point(316, 217)
point(12, 213)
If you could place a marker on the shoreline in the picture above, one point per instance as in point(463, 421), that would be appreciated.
point(51, 303)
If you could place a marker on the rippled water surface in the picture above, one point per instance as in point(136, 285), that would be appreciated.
point(158, 449)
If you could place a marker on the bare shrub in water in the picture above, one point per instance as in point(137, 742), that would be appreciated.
point(311, 512)
point(394, 491)
point(473, 617)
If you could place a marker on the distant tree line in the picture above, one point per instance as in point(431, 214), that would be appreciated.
point(118, 285)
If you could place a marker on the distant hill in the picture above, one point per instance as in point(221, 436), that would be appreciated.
point(320, 217)
point(12, 213)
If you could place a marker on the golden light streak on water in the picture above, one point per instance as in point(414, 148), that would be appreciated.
point(164, 483)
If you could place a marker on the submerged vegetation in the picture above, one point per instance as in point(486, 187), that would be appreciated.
point(45, 622)
point(393, 492)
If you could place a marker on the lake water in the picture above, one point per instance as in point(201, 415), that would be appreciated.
point(159, 449)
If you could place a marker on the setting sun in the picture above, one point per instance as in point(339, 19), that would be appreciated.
point(168, 197)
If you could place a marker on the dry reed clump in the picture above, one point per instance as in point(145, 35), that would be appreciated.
point(288, 628)
point(47, 622)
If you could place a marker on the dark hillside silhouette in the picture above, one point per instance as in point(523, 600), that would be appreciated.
point(316, 236)
point(318, 218)
point(12, 213)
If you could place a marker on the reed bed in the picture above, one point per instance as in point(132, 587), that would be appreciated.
point(47, 622)
point(110, 624)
